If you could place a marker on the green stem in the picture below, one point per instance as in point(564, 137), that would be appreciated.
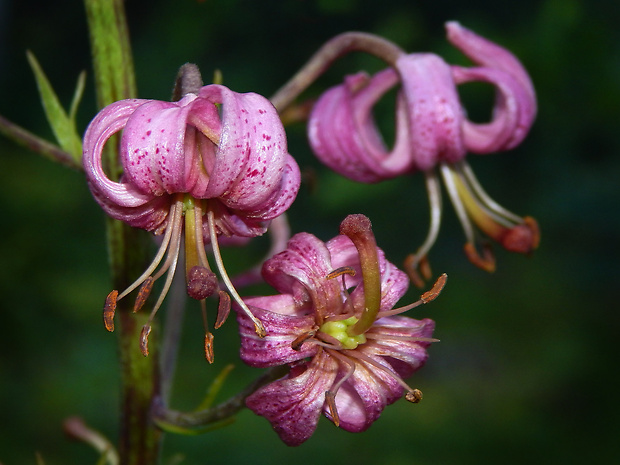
point(114, 80)
point(29, 140)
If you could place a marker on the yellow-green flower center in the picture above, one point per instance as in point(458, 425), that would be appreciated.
point(338, 330)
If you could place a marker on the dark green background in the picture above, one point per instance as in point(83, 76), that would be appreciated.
point(526, 371)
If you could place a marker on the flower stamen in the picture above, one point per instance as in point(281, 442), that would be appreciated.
point(260, 329)
point(417, 265)
point(330, 396)
point(410, 392)
point(515, 234)
point(425, 298)
point(109, 309)
point(146, 280)
point(343, 270)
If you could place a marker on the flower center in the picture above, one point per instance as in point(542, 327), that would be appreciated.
point(339, 330)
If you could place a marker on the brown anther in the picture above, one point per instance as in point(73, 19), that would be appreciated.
point(418, 270)
point(434, 292)
point(414, 396)
point(341, 271)
point(330, 400)
point(143, 293)
point(485, 262)
point(209, 347)
point(223, 309)
point(144, 340)
point(109, 308)
point(260, 329)
point(299, 340)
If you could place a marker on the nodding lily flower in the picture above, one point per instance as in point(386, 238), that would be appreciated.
point(334, 324)
point(213, 164)
point(433, 134)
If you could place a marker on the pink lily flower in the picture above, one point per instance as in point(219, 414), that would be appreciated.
point(195, 170)
point(433, 133)
point(334, 324)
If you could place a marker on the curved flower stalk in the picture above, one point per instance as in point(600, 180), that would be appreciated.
point(334, 324)
point(433, 134)
point(212, 165)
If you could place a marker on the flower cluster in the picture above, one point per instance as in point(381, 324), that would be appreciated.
point(347, 350)
point(432, 130)
point(214, 166)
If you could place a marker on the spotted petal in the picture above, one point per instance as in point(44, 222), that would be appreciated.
point(283, 324)
point(293, 404)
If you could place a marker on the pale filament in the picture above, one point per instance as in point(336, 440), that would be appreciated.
point(363, 358)
point(467, 172)
point(402, 338)
point(450, 182)
point(260, 329)
point(162, 249)
point(434, 197)
point(171, 260)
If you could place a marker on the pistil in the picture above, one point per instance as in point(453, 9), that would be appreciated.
point(359, 229)
point(201, 281)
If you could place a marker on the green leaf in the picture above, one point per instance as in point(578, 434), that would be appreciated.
point(62, 125)
point(215, 388)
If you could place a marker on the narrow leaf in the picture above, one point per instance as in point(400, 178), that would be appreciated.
point(62, 125)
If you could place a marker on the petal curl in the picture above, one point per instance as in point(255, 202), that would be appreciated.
point(344, 135)
point(154, 152)
point(252, 151)
point(493, 57)
point(434, 110)
point(104, 125)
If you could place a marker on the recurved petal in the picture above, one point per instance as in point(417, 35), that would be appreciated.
point(434, 109)
point(301, 269)
point(486, 53)
point(283, 325)
point(151, 216)
point(293, 404)
point(155, 156)
point(106, 123)
point(252, 152)
point(344, 135)
point(489, 55)
point(282, 198)
point(513, 111)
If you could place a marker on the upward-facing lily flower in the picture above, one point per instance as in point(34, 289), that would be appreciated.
point(195, 170)
point(334, 324)
point(432, 130)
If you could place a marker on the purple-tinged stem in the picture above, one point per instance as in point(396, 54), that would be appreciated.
point(326, 55)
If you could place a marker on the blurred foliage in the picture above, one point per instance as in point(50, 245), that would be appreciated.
point(525, 368)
